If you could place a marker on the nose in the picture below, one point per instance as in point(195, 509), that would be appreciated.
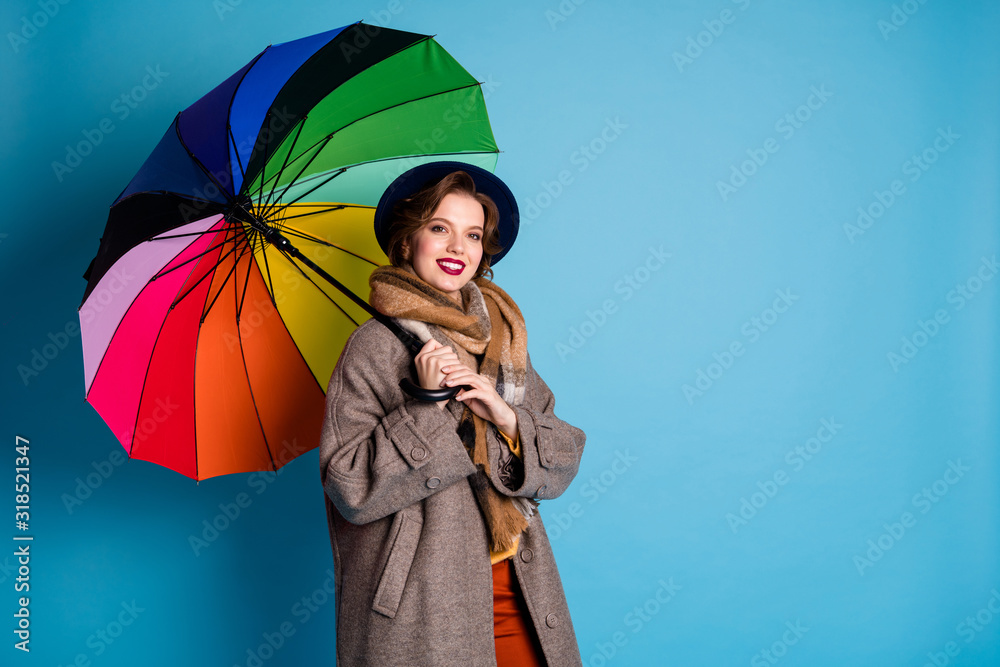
point(456, 244)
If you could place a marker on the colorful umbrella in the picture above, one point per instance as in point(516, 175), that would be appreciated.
point(207, 339)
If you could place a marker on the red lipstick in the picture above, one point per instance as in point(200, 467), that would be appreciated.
point(452, 267)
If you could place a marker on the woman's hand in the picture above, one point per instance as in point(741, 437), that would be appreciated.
point(429, 360)
point(481, 396)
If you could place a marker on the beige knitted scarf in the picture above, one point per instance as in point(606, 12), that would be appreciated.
point(487, 331)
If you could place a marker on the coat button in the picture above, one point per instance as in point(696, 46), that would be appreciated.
point(526, 555)
point(552, 620)
point(541, 490)
point(418, 453)
point(433, 482)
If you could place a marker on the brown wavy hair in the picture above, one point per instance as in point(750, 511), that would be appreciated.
point(409, 215)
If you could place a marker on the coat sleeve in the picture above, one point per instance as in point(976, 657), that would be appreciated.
point(376, 459)
point(550, 448)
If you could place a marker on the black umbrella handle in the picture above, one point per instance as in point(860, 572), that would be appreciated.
point(428, 395)
point(413, 344)
point(409, 340)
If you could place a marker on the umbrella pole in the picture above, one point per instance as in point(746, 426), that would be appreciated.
point(281, 243)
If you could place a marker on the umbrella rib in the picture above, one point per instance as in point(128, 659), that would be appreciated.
point(316, 239)
point(207, 273)
point(322, 291)
point(291, 149)
point(423, 38)
point(239, 309)
point(267, 267)
point(304, 167)
point(246, 372)
point(118, 326)
point(369, 115)
point(145, 377)
point(253, 401)
point(325, 210)
point(236, 149)
point(222, 189)
point(191, 259)
point(194, 388)
point(278, 210)
point(236, 243)
point(194, 200)
point(398, 157)
point(229, 109)
point(177, 236)
point(263, 169)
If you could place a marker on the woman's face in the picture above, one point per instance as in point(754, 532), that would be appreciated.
point(447, 250)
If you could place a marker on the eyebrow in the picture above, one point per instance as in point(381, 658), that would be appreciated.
point(474, 228)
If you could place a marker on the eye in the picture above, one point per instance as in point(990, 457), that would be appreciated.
point(474, 235)
point(434, 228)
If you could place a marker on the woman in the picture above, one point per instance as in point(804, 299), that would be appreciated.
point(439, 554)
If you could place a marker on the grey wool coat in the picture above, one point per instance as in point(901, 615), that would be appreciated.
point(410, 550)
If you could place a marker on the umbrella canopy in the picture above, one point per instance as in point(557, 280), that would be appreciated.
point(207, 347)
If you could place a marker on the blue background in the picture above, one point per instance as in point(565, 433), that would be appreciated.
point(617, 357)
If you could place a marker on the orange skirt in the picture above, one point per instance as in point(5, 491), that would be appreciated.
point(515, 639)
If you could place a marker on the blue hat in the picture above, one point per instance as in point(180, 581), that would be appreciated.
point(413, 181)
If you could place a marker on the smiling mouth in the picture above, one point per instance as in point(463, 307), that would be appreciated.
point(452, 267)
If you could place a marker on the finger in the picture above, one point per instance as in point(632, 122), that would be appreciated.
point(443, 351)
point(427, 349)
point(465, 377)
point(457, 368)
point(465, 383)
point(467, 395)
point(441, 363)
